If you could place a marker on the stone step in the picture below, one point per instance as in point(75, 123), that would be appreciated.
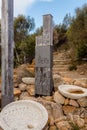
point(60, 69)
point(71, 74)
point(61, 62)
point(60, 66)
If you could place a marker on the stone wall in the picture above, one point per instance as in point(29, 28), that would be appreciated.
point(64, 113)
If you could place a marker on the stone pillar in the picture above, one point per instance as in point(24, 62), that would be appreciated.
point(44, 59)
point(7, 51)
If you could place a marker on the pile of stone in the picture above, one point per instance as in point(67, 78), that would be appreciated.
point(64, 113)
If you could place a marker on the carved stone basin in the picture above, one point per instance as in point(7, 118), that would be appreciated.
point(72, 91)
point(23, 115)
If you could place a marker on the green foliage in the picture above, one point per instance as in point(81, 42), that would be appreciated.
point(77, 33)
point(24, 43)
point(72, 67)
point(22, 26)
point(74, 126)
point(39, 31)
point(82, 51)
point(59, 36)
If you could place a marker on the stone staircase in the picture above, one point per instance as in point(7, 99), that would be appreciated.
point(61, 62)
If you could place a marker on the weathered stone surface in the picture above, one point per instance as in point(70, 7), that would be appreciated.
point(17, 92)
point(22, 86)
point(80, 122)
point(23, 95)
point(69, 109)
point(82, 102)
point(57, 81)
point(28, 80)
point(58, 98)
point(56, 78)
point(31, 90)
point(68, 80)
point(73, 103)
point(48, 98)
point(76, 120)
point(66, 101)
point(47, 105)
point(56, 110)
point(81, 84)
point(52, 127)
point(62, 118)
point(63, 125)
point(16, 98)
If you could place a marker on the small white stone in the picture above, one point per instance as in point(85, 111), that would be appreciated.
point(28, 80)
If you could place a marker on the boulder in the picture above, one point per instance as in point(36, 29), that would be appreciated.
point(31, 89)
point(22, 86)
point(63, 125)
point(69, 109)
point(73, 103)
point(82, 102)
point(58, 98)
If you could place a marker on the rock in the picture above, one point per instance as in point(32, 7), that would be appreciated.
point(31, 90)
point(29, 98)
point(82, 73)
point(80, 83)
point(23, 95)
point(69, 109)
point(16, 85)
point(77, 120)
point(63, 125)
point(58, 98)
point(57, 111)
point(47, 105)
point(57, 81)
point(56, 78)
point(66, 101)
point(73, 103)
point(17, 92)
point(54, 110)
point(82, 102)
point(48, 98)
point(50, 120)
point(16, 98)
point(68, 80)
point(52, 127)
point(22, 86)
point(85, 120)
point(28, 80)
point(62, 118)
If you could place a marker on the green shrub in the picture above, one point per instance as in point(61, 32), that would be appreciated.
point(82, 51)
point(72, 67)
point(74, 126)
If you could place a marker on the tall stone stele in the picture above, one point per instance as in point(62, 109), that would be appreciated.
point(7, 52)
point(44, 58)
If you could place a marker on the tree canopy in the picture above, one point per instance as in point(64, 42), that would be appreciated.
point(77, 32)
point(22, 27)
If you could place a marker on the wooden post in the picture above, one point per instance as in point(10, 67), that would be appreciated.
point(44, 59)
point(7, 52)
